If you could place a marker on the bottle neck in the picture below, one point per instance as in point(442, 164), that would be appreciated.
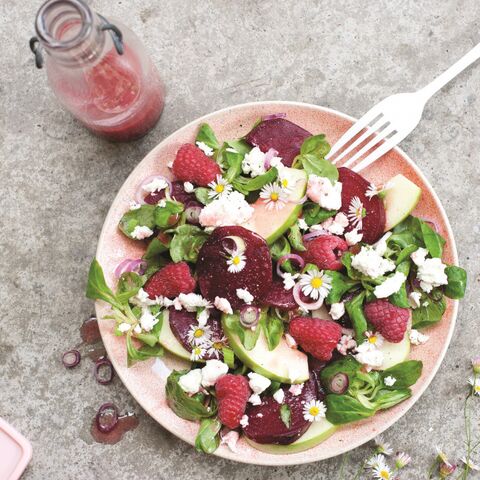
point(70, 32)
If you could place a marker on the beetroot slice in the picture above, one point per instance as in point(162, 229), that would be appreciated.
point(214, 278)
point(181, 321)
point(265, 424)
point(178, 193)
point(280, 134)
point(278, 297)
point(354, 185)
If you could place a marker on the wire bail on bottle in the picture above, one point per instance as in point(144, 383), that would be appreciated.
point(115, 33)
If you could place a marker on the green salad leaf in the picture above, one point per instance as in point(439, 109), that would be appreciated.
point(428, 315)
point(295, 238)
point(228, 357)
point(246, 184)
point(286, 415)
point(457, 282)
point(316, 145)
point(208, 436)
point(234, 165)
point(240, 145)
point(341, 284)
point(143, 353)
point(314, 165)
point(354, 308)
point(347, 365)
point(141, 217)
point(156, 247)
point(189, 408)
point(163, 214)
point(201, 194)
point(273, 329)
point(405, 373)
point(313, 213)
point(247, 336)
point(187, 242)
point(207, 136)
point(280, 248)
point(129, 284)
point(343, 409)
point(97, 288)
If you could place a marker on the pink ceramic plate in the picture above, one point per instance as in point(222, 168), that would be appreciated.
point(145, 383)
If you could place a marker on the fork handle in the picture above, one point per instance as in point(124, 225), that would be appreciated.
point(458, 67)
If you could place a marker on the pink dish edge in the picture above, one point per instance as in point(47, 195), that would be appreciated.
point(25, 445)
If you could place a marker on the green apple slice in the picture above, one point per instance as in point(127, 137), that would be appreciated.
point(272, 224)
point(283, 364)
point(168, 340)
point(400, 198)
point(317, 433)
point(394, 353)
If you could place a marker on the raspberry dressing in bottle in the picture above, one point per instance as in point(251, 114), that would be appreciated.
point(99, 71)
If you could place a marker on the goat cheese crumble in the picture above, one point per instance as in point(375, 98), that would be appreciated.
point(231, 209)
point(320, 190)
point(369, 262)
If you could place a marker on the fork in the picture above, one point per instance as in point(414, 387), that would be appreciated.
point(391, 120)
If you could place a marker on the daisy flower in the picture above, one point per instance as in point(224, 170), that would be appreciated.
point(285, 181)
point(475, 383)
point(382, 446)
point(372, 190)
point(199, 334)
point(471, 465)
point(236, 261)
point(315, 284)
point(383, 472)
point(346, 343)
point(314, 410)
point(356, 212)
point(216, 346)
point(377, 461)
point(402, 459)
point(274, 196)
point(375, 338)
point(198, 352)
point(219, 187)
point(476, 364)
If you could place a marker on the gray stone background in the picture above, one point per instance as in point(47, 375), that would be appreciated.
point(58, 182)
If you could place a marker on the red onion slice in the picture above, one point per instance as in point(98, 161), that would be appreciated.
point(273, 116)
point(107, 417)
point(131, 265)
point(317, 233)
point(249, 316)
point(105, 365)
point(291, 256)
point(140, 193)
point(271, 153)
point(71, 358)
point(306, 306)
point(192, 212)
point(339, 383)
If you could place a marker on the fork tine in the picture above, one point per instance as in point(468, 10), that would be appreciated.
point(376, 139)
point(353, 130)
point(382, 150)
point(370, 131)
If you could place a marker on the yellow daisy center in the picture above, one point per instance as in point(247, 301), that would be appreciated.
point(198, 333)
point(274, 196)
point(197, 351)
point(236, 260)
point(316, 282)
point(384, 474)
point(219, 188)
point(372, 339)
point(284, 183)
point(477, 388)
point(217, 345)
point(314, 411)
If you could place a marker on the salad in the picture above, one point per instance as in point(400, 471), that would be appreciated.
point(293, 288)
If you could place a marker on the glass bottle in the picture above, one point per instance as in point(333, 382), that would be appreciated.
point(100, 72)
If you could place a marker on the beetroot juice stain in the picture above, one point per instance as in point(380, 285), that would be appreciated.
point(89, 331)
point(124, 424)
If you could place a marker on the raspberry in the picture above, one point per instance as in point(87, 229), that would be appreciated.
point(325, 252)
point(170, 281)
point(192, 165)
point(232, 392)
point(389, 320)
point(316, 336)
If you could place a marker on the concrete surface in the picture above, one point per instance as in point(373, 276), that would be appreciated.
point(58, 182)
